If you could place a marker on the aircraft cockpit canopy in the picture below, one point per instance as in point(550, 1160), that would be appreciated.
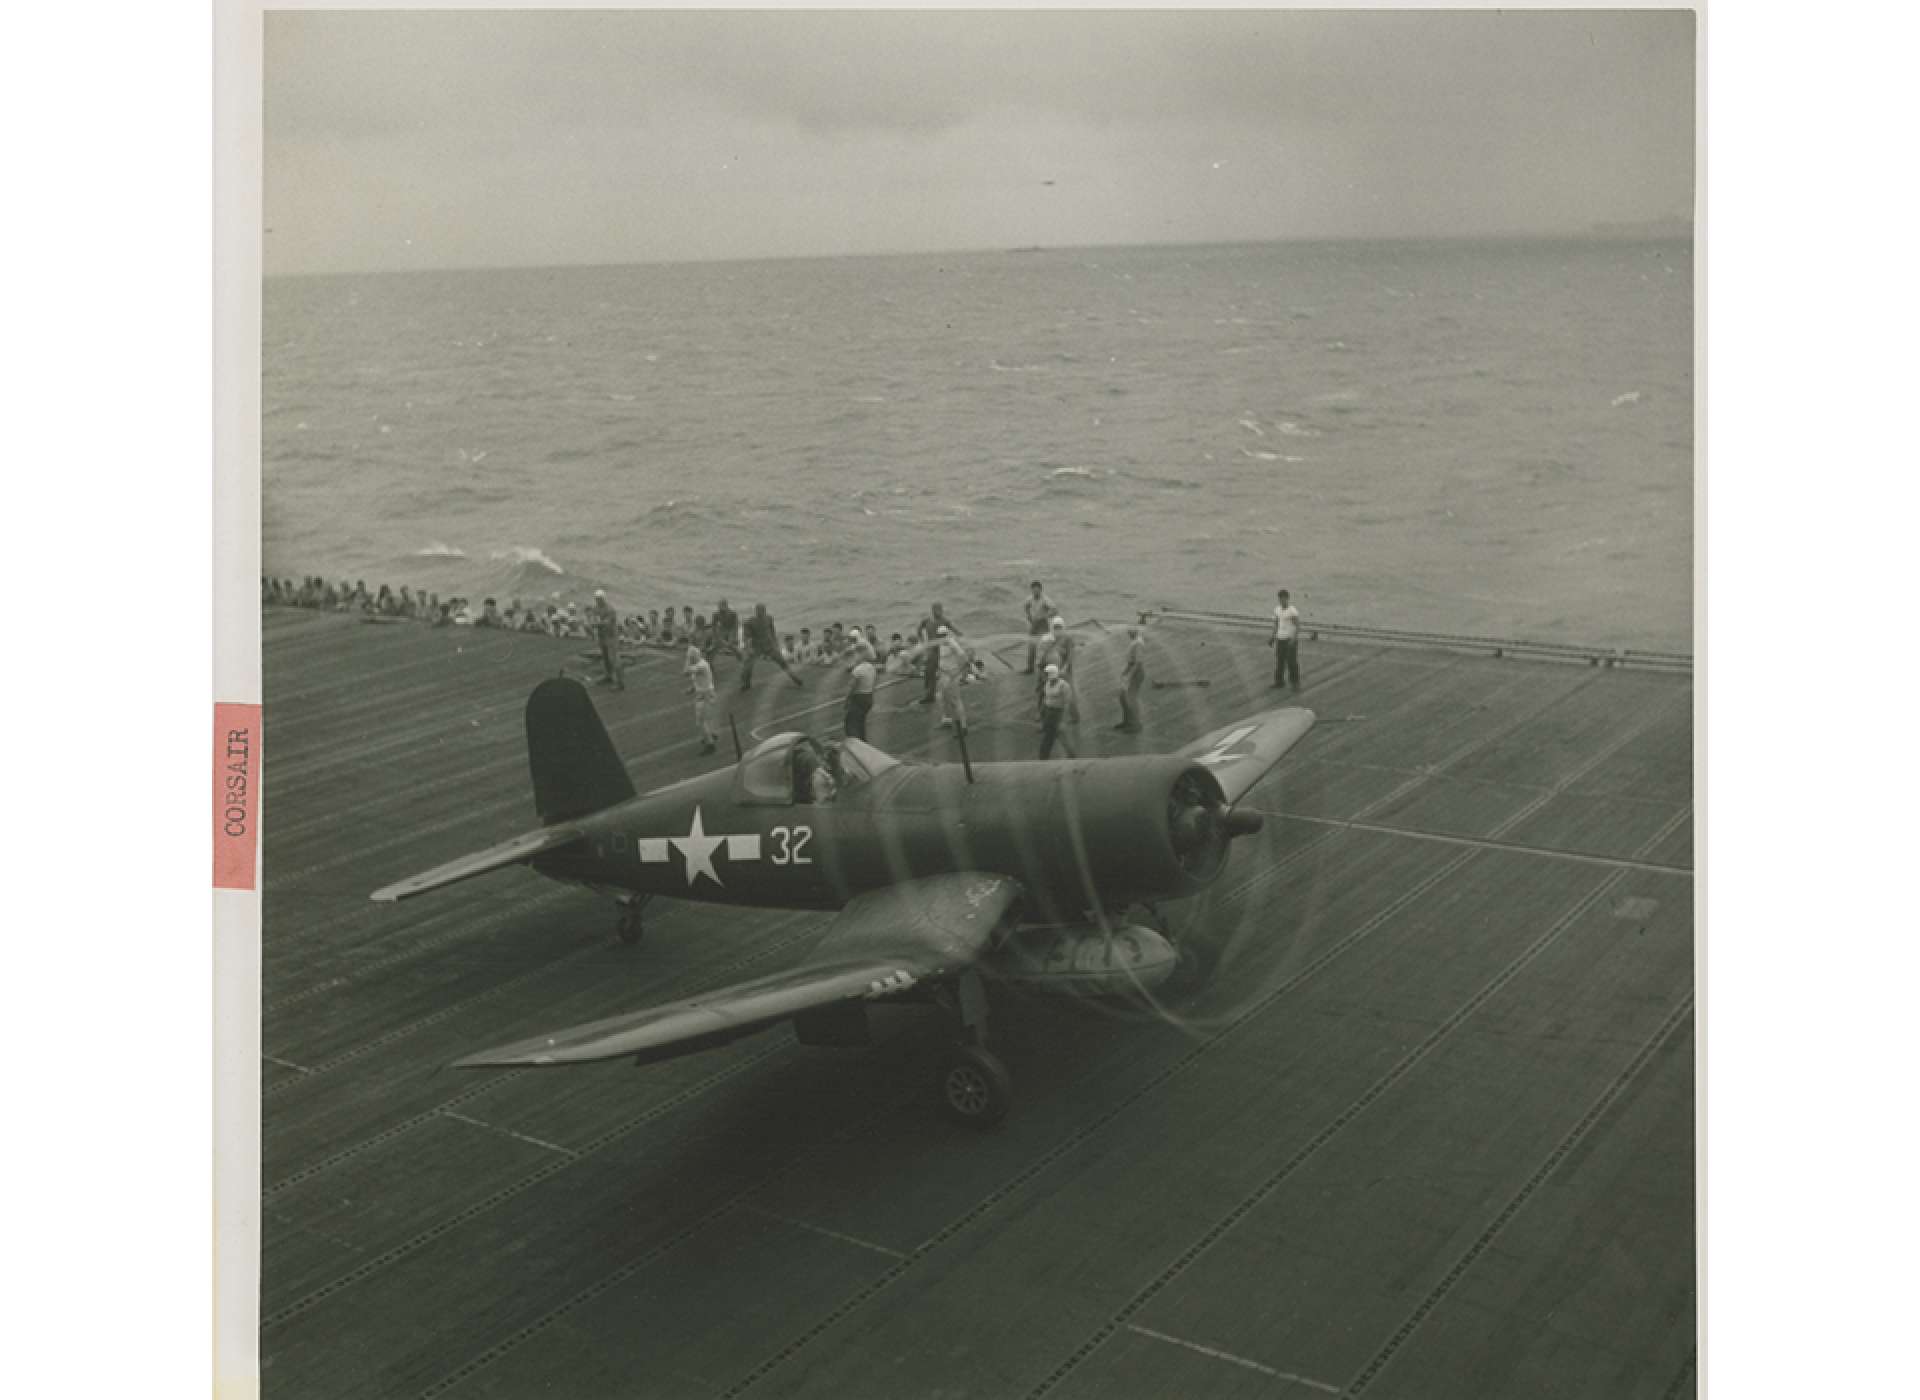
point(861, 762)
point(780, 770)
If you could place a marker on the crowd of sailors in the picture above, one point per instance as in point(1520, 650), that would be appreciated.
point(664, 630)
point(934, 649)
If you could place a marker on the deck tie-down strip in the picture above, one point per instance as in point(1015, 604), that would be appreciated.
point(487, 1083)
point(1484, 843)
point(1595, 1112)
point(1406, 1064)
point(570, 1305)
point(602, 1286)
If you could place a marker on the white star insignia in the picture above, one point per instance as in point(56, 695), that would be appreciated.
point(1220, 752)
point(698, 848)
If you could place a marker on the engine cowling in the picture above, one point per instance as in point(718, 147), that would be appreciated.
point(1149, 829)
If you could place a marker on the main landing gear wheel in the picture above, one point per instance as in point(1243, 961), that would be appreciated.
point(630, 926)
point(974, 1088)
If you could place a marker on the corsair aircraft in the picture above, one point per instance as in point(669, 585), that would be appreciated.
point(942, 875)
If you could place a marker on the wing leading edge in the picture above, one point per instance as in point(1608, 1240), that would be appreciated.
point(1240, 754)
point(881, 944)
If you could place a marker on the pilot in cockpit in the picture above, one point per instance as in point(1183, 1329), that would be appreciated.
point(813, 779)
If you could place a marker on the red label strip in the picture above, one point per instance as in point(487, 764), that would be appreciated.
point(236, 794)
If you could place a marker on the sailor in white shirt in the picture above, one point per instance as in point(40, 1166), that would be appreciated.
point(1286, 643)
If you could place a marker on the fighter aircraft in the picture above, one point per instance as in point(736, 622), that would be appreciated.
point(943, 874)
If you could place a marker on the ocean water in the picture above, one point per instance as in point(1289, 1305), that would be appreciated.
point(1491, 438)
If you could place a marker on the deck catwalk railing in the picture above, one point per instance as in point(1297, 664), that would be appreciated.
point(1589, 654)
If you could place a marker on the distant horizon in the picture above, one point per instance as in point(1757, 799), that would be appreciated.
point(523, 138)
point(1674, 230)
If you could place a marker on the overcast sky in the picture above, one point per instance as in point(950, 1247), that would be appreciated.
point(415, 139)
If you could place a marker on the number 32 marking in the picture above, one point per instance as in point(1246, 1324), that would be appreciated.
point(789, 843)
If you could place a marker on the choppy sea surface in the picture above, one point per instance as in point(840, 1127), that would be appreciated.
point(1491, 438)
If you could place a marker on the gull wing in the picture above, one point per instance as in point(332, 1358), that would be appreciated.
point(881, 944)
point(520, 848)
point(1239, 754)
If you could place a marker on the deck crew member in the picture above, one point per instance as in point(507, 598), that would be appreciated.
point(1286, 643)
point(726, 631)
point(700, 679)
point(762, 641)
point(1056, 694)
point(955, 660)
point(1058, 650)
point(1040, 615)
point(1132, 679)
point(931, 626)
point(606, 631)
point(860, 695)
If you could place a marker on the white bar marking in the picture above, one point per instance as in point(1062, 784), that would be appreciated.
point(1228, 1356)
point(743, 847)
point(496, 1128)
point(653, 849)
point(830, 1234)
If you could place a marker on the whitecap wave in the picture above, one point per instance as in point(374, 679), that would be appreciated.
point(439, 549)
point(527, 554)
point(1631, 396)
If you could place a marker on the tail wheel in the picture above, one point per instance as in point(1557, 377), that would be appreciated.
point(974, 1087)
point(630, 926)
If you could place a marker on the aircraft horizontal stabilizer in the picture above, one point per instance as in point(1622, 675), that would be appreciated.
point(520, 848)
point(880, 945)
point(1240, 754)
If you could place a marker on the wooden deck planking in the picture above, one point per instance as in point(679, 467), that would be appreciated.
point(488, 1241)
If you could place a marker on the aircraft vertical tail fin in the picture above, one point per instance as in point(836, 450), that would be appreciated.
point(576, 770)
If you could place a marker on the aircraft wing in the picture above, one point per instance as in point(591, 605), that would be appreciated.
point(520, 848)
point(881, 944)
point(1239, 754)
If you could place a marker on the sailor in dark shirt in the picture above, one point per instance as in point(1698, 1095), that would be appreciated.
point(762, 640)
point(726, 630)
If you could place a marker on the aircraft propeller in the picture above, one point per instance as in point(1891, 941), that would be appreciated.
point(1202, 825)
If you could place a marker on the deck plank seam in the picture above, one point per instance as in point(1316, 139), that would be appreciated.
point(1457, 756)
point(319, 755)
point(1401, 1068)
point(1515, 1203)
point(1060, 1150)
point(488, 1082)
point(731, 1205)
point(398, 1033)
point(1651, 715)
point(1081, 1135)
point(414, 1244)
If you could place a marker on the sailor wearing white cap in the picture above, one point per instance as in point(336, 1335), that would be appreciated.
point(1056, 695)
